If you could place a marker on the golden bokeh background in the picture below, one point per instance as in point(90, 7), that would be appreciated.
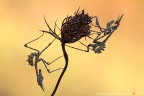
point(120, 68)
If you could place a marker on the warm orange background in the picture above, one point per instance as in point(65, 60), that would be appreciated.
point(120, 68)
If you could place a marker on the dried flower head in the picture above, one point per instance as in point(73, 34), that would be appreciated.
point(75, 27)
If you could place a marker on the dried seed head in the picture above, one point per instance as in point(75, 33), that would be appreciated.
point(75, 27)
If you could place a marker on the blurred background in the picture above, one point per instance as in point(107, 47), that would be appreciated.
point(119, 69)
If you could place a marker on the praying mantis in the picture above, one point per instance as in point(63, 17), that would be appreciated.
point(34, 59)
point(98, 46)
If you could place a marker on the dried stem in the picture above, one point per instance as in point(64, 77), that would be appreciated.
point(66, 65)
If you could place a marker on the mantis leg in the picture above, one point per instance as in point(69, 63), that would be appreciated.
point(87, 50)
point(26, 45)
point(51, 32)
point(46, 63)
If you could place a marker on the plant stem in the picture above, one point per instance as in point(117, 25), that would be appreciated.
point(65, 67)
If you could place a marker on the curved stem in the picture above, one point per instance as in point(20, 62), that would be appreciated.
point(65, 67)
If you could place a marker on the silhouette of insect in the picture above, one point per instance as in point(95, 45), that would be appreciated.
point(98, 46)
point(34, 59)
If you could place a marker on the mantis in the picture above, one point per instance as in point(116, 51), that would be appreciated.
point(34, 59)
point(99, 46)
